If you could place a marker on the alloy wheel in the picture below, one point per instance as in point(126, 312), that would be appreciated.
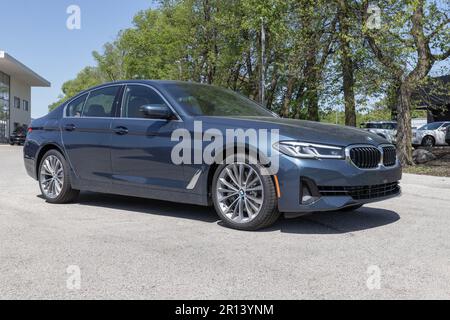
point(52, 176)
point(240, 192)
point(428, 141)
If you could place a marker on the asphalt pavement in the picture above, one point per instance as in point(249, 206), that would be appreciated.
point(113, 247)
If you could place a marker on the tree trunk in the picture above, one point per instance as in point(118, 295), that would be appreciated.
point(312, 83)
point(393, 95)
point(311, 95)
point(287, 98)
point(273, 88)
point(313, 105)
point(347, 64)
point(404, 142)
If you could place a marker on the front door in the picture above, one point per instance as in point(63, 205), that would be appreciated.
point(141, 147)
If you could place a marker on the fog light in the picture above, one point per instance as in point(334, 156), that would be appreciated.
point(307, 197)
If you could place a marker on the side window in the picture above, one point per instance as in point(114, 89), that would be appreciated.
point(100, 102)
point(17, 102)
point(75, 108)
point(135, 97)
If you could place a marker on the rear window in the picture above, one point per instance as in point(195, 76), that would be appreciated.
point(431, 126)
point(100, 102)
point(372, 126)
point(75, 108)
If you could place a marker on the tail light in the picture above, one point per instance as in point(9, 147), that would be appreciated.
point(30, 130)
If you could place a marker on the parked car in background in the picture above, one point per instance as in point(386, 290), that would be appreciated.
point(385, 129)
point(18, 136)
point(418, 122)
point(431, 134)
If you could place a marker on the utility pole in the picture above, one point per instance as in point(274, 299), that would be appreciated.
point(337, 113)
point(263, 71)
point(180, 69)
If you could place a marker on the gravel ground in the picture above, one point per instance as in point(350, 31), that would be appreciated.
point(439, 167)
point(143, 249)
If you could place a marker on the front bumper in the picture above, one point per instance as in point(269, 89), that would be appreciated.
point(329, 173)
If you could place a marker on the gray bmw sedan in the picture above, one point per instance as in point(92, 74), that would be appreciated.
point(205, 145)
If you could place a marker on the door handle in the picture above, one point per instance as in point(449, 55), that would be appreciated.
point(121, 131)
point(69, 127)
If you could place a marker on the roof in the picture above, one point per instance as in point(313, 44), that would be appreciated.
point(18, 70)
point(156, 83)
point(434, 94)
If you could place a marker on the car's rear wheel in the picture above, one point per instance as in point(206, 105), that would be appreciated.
point(243, 197)
point(428, 141)
point(54, 178)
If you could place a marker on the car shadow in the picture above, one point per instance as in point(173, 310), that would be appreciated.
point(148, 206)
point(315, 223)
point(335, 222)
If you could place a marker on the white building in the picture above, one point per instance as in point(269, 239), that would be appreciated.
point(16, 81)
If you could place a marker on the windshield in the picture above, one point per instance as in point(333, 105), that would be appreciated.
point(431, 126)
point(372, 126)
point(381, 125)
point(205, 100)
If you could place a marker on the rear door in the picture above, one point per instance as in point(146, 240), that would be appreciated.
point(86, 133)
point(141, 147)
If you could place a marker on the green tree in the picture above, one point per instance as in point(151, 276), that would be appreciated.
point(413, 36)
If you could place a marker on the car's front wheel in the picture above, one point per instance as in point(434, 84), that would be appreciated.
point(54, 178)
point(428, 141)
point(243, 197)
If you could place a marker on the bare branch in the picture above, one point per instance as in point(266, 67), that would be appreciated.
point(442, 56)
point(385, 60)
point(438, 29)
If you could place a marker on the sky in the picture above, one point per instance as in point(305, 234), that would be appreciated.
point(37, 35)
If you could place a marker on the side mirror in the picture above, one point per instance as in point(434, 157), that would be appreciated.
point(156, 111)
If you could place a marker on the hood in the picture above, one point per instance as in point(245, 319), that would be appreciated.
point(307, 131)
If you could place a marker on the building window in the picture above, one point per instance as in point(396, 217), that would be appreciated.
point(17, 102)
point(4, 106)
point(26, 105)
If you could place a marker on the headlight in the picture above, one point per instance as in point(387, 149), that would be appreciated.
point(309, 150)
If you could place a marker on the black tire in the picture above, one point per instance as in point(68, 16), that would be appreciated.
point(428, 141)
point(67, 194)
point(268, 213)
point(351, 208)
point(11, 143)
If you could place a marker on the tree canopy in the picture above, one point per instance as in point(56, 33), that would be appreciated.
point(309, 57)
